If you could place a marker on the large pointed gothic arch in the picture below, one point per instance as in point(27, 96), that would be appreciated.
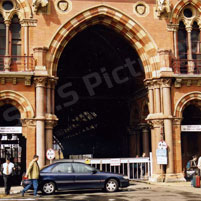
point(115, 19)
point(179, 7)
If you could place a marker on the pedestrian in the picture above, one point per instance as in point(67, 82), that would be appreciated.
point(32, 173)
point(199, 165)
point(7, 169)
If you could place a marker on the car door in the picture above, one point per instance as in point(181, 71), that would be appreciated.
point(86, 176)
point(64, 176)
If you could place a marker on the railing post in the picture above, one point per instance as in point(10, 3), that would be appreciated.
point(128, 169)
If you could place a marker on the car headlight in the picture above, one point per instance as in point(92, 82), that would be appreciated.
point(125, 177)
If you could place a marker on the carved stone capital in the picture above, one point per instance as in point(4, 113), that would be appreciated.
point(149, 84)
point(40, 81)
point(177, 121)
point(28, 122)
point(156, 84)
point(173, 27)
point(166, 83)
point(29, 22)
point(156, 123)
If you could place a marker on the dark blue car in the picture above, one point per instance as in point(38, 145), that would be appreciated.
point(74, 175)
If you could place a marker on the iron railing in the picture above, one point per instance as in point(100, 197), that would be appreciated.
point(17, 63)
point(186, 66)
point(133, 168)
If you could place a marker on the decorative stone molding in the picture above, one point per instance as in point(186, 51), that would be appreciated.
point(163, 8)
point(40, 81)
point(51, 121)
point(28, 122)
point(166, 83)
point(156, 123)
point(16, 77)
point(63, 6)
point(177, 121)
point(178, 83)
point(172, 27)
point(155, 120)
point(37, 4)
point(149, 84)
point(29, 22)
point(141, 9)
point(187, 81)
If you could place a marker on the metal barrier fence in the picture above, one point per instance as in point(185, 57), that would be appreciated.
point(134, 168)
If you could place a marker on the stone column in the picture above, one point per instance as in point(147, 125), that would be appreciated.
point(49, 98)
point(177, 148)
point(145, 137)
point(40, 83)
point(132, 143)
point(151, 96)
point(49, 136)
point(53, 95)
point(7, 60)
point(155, 139)
point(175, 32)
point(190, 56)
point(157, 97)
point(166, 84)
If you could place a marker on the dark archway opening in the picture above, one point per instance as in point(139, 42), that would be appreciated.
point(12, 145)
point(99, 75)
point(191, 140)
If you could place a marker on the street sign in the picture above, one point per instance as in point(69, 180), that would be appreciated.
point(16, 129)
point(162, 145)
point(115, 162)
point(87, 161)
point(50, 154)
point(191, 128)
point(161, 155)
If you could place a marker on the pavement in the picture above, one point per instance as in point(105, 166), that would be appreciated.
point(136, 185)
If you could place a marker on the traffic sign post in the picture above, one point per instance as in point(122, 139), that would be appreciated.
point(50, 154)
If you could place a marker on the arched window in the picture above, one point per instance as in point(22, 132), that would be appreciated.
point(182, 41)
point(2, 36)
point(15, 37)
point(2, 41)
point(195, 40)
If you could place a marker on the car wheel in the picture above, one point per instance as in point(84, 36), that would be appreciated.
point(48, 188)
point(111, 185)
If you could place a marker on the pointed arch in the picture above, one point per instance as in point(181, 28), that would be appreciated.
point(179, 7)
point(24, 5)
point(113, 18)
point(17, 100)
point(181, 103)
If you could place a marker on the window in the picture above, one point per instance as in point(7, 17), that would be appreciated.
point(82, 168)
point(182, 41)
point(7, 5)
point(2, 36)
point(15, 31)
point(63, 168)
point(195, 40)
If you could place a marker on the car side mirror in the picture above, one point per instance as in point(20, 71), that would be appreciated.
point(94, 171)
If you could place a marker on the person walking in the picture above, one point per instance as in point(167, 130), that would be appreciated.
point(7, 169)
point(199, 166)
point(32, 173)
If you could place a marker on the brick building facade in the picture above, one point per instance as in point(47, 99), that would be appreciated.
point(166, 38)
